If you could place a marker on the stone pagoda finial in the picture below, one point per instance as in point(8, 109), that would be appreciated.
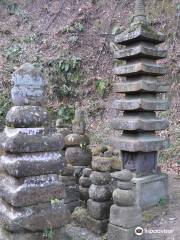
point(139, 15)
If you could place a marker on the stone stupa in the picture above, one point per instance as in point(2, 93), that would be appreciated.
point(139, 142)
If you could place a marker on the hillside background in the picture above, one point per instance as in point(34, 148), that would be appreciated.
point(71, 41)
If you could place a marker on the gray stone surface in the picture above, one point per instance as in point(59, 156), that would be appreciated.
point(99, 210)
point(77, 233)
point(138, 33)
point(31, 164)
point(125, 217)
point(84, 182)
point(87, 172)
point(76, 140)
point(140, 142)
point(27, 116)
point(142, 84)
point(146, 123)
point(32, 144)
point(141, 103)
point(100, 193)
point(29, 86)
point(123, 197)
point(124, 175)
point(100, 178)
point(72, 193)
point(141, 50)
point(34, 218)
point(78, 123)
point(78, 156)
point(150, 189)
point(118, 233)
point(140, 68)
point(125, 185)
point(97, 226)
point(58, 234)
point(30, 190)
point(101, 164)
point(84, 193)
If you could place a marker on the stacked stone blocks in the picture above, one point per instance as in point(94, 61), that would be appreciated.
point(125, 216)
point(100, 195)
point(30, 165)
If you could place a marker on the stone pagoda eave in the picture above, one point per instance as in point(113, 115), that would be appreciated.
point(140, 68)
point(141, 142)
point(141, 86)
point(140, 103)
point(145, 123)
point(140, 51)
point(140, 32)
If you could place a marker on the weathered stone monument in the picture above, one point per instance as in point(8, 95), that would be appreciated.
point(125, 216)
point(139, 143)
point(84, 184)
point(78, 156)
point(77, 152)
point(100, 195)
point(30, 188)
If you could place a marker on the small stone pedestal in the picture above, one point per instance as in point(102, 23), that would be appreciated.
point(150, 189)
point(30, 189)
point(100, 195)
point(125, 216)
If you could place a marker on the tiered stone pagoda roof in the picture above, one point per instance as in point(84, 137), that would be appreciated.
point(141, 87)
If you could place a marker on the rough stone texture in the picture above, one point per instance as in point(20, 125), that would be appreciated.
point(146, 123)
point(140, 142)
point(116, 163)
point(79, 216)
point(141, 103)
point(34, 218)
point(27, 116)
point(87, 172)
point(141, 85)
point(118, 233)
point(100, 193)
point(126, 217)
point(99, 210)
point(84, 181)
point(125, 185)
point(124, 175)
point(77, 233)
point(32, 144)
point(76, 140)
point(29, 86)
point(141, 50)
point(19, 192)
point(97, 226)
point(32, 164)
point(84, 193)
point(124, 197)
point(139, 33)
point(31, 190)
point(140, 68)
point(101, 164)
point(147, 186)
point(58, 234)
point(78, 123)
point(78, 156)
point(100, 178)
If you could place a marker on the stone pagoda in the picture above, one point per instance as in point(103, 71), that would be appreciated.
point(31, 191)
point(139, 143)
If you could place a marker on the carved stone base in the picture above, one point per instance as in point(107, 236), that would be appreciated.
point(151, 189)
